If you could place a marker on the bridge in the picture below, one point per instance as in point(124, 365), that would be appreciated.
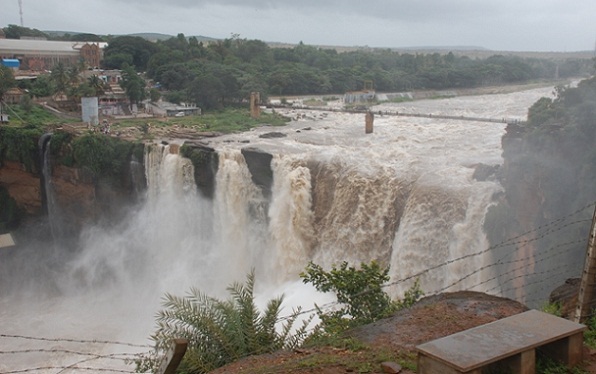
point(402, 114)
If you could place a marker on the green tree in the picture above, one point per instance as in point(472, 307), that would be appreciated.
point(16, 32)
point(358, 290)
point(60, 78)
point(132, 50)
point(133, 84)
point(42, 86)
point(220, 332)
point(97, 85)
point(7, 81)
point(206, 90)
point(154, 95)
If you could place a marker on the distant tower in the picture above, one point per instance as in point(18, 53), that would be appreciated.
point(21, 11)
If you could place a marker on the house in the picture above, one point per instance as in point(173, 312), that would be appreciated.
point(13, 95)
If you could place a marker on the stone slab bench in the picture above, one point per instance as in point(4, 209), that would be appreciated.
point(511, 342)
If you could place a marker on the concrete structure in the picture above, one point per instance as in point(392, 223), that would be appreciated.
point(369, 120)
point(255, 100)
point(355, 97)
point(166, 109)
point(6, 240)
point(41, 55)
point(90, 110)
point(509, 342)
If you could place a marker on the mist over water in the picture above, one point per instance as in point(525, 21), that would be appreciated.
point(403, 195)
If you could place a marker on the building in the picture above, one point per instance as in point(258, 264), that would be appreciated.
point(39, 55)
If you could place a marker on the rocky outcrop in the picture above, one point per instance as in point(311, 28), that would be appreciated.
point(566, 296)
point(205, 162)
point(549, 180)
point(259, 165)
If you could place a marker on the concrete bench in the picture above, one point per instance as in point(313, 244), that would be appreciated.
point(510, 342)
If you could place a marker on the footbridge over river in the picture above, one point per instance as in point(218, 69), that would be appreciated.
point(404, 114)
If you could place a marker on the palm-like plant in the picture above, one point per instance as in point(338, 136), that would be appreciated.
point(220, 332)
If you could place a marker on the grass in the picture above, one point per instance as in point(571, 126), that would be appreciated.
point(365, 360)
point(36, 116)
point(225, 121)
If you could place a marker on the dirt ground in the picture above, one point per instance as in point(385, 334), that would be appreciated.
point(393, 339)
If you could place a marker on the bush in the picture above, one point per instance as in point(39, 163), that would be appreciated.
point(361, 293)
point(220, 332)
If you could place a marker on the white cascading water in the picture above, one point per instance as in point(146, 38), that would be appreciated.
point(403, 195)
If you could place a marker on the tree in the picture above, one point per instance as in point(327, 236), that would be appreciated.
point(60, 78)
point(124, 48)
point(220, 332)
point(7, 81)
point(205, 90)
point(42, 86)
point(154, 95)
point(359, 290)
point(97, 85)
point(16, 32)
point(133, 85)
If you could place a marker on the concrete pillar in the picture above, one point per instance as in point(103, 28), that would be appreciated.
point(370, 118)
point(255, 109)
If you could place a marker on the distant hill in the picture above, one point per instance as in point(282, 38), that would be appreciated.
point(156, 36)
point(151, 36)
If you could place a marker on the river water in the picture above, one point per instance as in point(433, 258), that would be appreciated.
point(404, 195)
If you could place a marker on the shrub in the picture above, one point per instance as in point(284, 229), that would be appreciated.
point(360, 292)
point(220, 332)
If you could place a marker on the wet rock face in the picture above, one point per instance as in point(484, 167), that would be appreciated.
point(205, 162)
point(22, 186)
point(259, 165)
point(566, 296)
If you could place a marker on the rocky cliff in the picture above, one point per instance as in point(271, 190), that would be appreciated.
point(77, 181)
point(549, 180)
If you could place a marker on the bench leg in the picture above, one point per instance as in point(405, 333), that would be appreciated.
point(428, 365)
point(527, 362)
point(568, 350)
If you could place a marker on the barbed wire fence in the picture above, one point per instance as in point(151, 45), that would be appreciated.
point(518, 277)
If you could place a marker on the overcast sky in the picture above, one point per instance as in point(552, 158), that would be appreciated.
point(504, 25)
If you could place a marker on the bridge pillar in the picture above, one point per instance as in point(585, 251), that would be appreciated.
point(255, 109)
point(369, 120)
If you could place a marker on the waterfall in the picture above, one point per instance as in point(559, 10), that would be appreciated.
point(291, 218)
point(404, 196)
point(55, 218)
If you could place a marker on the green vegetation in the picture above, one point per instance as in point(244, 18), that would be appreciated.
point(552, 308)
point(7, 81)
point(590, 334)
point(35, 115)
point(104, 156)
point(225, 72)
point(362, 360)
point(20, 144)
point(220, 332)
point(359, 291)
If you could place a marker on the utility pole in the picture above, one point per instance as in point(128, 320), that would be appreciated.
point(586, 299)
point(21, 11)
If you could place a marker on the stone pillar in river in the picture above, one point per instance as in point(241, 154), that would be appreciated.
point(369, 119)
point(255, 109)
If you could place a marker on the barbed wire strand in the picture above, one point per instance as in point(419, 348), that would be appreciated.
point(551, 227)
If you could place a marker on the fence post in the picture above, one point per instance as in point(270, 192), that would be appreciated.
point(173, 357)
point(587, 289)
